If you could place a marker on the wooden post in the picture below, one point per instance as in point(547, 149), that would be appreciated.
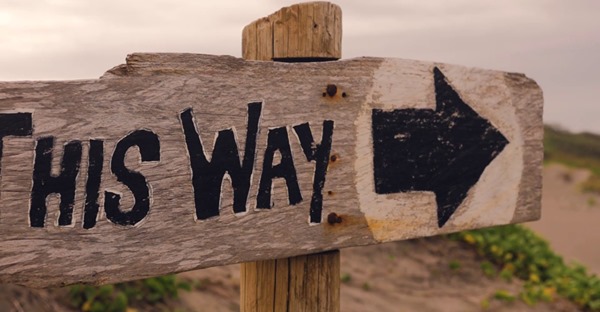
point(307, 32)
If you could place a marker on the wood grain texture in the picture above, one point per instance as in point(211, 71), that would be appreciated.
point(315, 277)
point(311, 30)
point(150, 92)
point(310, 283)
point(313, 37)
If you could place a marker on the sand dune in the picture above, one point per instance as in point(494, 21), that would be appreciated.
point(570, 219)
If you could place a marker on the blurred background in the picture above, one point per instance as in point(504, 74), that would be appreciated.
point(512, 268)
point(555, 42)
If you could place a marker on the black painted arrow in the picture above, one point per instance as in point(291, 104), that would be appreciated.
point(443, 151)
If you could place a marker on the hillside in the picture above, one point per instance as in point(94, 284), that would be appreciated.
point(580, 150)
point(576, 151)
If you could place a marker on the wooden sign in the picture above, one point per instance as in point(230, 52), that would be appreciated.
point(174, 162)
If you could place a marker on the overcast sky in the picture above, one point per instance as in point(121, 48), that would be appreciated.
point(556, 42)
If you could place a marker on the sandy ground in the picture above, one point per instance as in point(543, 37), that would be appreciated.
point(570, 220)
point(403, 276)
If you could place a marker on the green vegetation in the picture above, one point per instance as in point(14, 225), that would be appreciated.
point(504, 295)
point(575, 150)
point(454, 265)
point(366, 286)
point(488, 268)
point(200, 284)
point(346, 278)
point(515, 251)
point(485, 304)
point(120, 297)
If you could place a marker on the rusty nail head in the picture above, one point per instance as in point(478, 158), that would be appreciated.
point(333, 218)
point(331, 90)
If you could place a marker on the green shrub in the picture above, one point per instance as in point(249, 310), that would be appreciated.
point(366, 286)
point(346, 278)
point(518, 252)
point(454, 265)
point(118, 297)
point(504, 295)
point(488, 269)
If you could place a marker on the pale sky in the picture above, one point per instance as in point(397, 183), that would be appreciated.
point(555, 42)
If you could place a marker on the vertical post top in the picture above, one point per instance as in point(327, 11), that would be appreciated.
point(306, 32)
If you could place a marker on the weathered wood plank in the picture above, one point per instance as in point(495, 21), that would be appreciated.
point(153, 91)
point(311, 30)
